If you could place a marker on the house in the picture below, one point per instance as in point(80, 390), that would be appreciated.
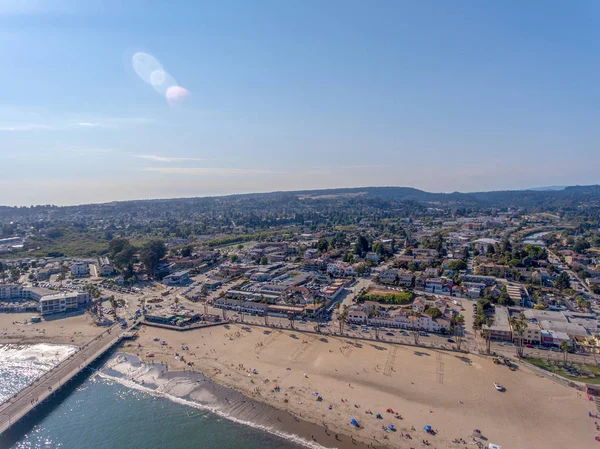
point(439, 286)
point(405, 279)
point(474, 289)
point(356, 316)
point(79, 269)
point(388, 276)
point(373, 257)
point(103, 267)
point(576, 259)
point(178, 278)
point(491, 269)
point(593, 281)
point(482, 245)
point(314, 265)
point(341, 269)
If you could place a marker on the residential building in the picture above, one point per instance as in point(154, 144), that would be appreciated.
point(501, 329)
point(103, 267)
point(388, 276)
point(178, 278)
point(79, 269)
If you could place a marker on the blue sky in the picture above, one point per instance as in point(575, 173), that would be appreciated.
point(284, 95)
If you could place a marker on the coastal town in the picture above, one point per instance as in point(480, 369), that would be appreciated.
point(516, 289)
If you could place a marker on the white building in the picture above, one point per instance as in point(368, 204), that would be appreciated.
point(49, 301)
point(79, 269)
point(103, 267)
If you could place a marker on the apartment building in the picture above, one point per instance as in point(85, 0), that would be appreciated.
point(79, 269)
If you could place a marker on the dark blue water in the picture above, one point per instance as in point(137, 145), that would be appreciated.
point(101, 414)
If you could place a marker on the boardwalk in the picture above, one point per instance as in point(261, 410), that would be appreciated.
point(27, 399)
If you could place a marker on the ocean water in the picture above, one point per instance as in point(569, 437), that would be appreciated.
point(128, 404)
point(103, 414)
point(22, 364)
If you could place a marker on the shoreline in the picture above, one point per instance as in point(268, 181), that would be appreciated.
point(451, 392)
point(194, 389)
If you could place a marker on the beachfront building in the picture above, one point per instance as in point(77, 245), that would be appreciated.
point(47, 301)
point(398, 318)
point(10, 291)
point(501, 329)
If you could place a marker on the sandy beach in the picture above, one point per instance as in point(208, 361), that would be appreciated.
point(74, 330)
point(451, 393)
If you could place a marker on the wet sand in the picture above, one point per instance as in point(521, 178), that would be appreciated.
point(195, 388)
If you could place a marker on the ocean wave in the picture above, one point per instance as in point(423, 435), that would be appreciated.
point(286, 436)
point(20, 365)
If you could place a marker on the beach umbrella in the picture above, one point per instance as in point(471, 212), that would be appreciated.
point(427, 428)
point(354, 422)
point(391, 427)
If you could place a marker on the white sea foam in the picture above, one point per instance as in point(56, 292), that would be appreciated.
point(134, 385)
point(22, 364)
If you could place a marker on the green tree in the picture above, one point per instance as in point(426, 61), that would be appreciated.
point(362, 245)
point(433, 312)
point(323, 245)
point(234, 258)
point(264, 260)
point(581, 245)
point(457, 265)
point(563, 282)
point(151, 253)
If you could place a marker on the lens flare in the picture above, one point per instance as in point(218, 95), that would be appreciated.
point(151, 71)
point(176, 95)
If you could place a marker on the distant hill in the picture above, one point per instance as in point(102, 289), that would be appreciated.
point(549, 188)
point(549, 198)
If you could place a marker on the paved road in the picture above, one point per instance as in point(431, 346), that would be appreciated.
point(24, 401)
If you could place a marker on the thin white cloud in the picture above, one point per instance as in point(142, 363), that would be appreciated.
point(109, 122)
point(25, 127)
point(207, 171)
point(156, 158)
point(88, 124)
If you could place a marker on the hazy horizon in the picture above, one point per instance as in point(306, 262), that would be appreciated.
point(216, 195)
point(106, 100)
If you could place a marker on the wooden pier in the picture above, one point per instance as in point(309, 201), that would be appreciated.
point(23, 402)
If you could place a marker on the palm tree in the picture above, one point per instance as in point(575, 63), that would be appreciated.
point(337, 313)
point(416, 336)
point(518, 326)
point(487, 332)
point(565, 347)
point(458, 322)
point(375, 313)
point(292, 314)
point(317, 302)
point(342, 318)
